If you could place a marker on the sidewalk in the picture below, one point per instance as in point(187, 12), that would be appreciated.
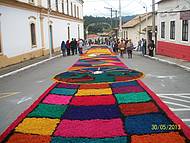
point(173, 61)
point(30, 63)
point(27, 63)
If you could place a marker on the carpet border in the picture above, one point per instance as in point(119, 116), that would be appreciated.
point(24, 114)
point(165, 108)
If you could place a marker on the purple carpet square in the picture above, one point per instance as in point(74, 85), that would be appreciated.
point(127, 89)
point(91, 112)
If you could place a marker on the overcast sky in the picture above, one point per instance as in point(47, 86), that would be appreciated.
point(128, 7)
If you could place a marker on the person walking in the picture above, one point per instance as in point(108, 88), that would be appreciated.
point(80, 46)
point(63, 48)
point(72, 45)
point(151, 48)
point(115, 46)
point(143, 46)
point(75, 46)
point(121, 48)
point(130, 49)
point(68, 48)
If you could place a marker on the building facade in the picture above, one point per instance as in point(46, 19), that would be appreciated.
point(174, 29)
point(135, 29)
point(30, 28)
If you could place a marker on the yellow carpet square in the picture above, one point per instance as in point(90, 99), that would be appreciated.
point(41, 126)
point(89, 92)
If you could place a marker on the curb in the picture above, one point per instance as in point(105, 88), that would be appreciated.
point(29, 66)
point(169, 62)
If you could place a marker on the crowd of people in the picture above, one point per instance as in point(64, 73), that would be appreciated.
point(126, 46)
point(72, 47)
point(123, 46)
point(118, 46)
point(142, 46)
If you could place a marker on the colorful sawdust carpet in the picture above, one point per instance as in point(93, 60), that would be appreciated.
point(114, 106)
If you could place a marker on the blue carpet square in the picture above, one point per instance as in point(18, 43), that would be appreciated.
point(89, 140)
point(120, 84)
point(63, 91)
point(142, 124)
point(91, 112)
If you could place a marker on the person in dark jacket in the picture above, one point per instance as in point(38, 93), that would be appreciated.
point(151, 48)
point(68, 48)
point(75, 46)
point(129, 49)
point(63, 48)
point(72, 45)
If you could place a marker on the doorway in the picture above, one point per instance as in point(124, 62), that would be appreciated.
point(51, 37)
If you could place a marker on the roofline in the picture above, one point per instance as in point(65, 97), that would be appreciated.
point(137, 23)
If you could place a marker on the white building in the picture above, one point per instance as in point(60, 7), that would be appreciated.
point(135, 29)
point(174, 28)
point(25, 32)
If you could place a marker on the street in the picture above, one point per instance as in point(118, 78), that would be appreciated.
point(19, 91)
point(169, 82)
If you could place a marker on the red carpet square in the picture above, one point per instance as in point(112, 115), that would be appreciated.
point(138, 108)
point(27, 138)
point(90, 128)
point(173, 137)
point(93, 100)
point(93, 86)
point(57, 99)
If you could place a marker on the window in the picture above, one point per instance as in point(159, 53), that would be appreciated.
point(68, 28)
point(172, 29)
point(49, 3)
point(68, 7)
point(71, 9)
point(31, 1)
point(33, 34)
point(77, 11)
point(56, 4)
point(162, 29)
point(78, 32)
point(62, 6)
point(184, 30)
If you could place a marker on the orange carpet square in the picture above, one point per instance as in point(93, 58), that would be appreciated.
point(27, 138)
point(172, 137)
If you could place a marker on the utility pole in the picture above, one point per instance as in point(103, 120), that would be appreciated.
point(153, 22)
point(120, 21)
point(115, 25)
point(146, 35)
point(111, 9)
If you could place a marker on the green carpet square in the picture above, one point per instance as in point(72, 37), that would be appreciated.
point(132, 97)
point(48, 110)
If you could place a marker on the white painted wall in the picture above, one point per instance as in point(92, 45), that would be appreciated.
point(133, 32)
point(16, 36)
point(60, 31)
point(176, 5)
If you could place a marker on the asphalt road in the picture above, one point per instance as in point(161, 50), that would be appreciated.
point(169, 82)
point(19, 91)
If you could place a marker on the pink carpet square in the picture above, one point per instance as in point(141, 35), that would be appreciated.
point(57, 99)
point(90, 128)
